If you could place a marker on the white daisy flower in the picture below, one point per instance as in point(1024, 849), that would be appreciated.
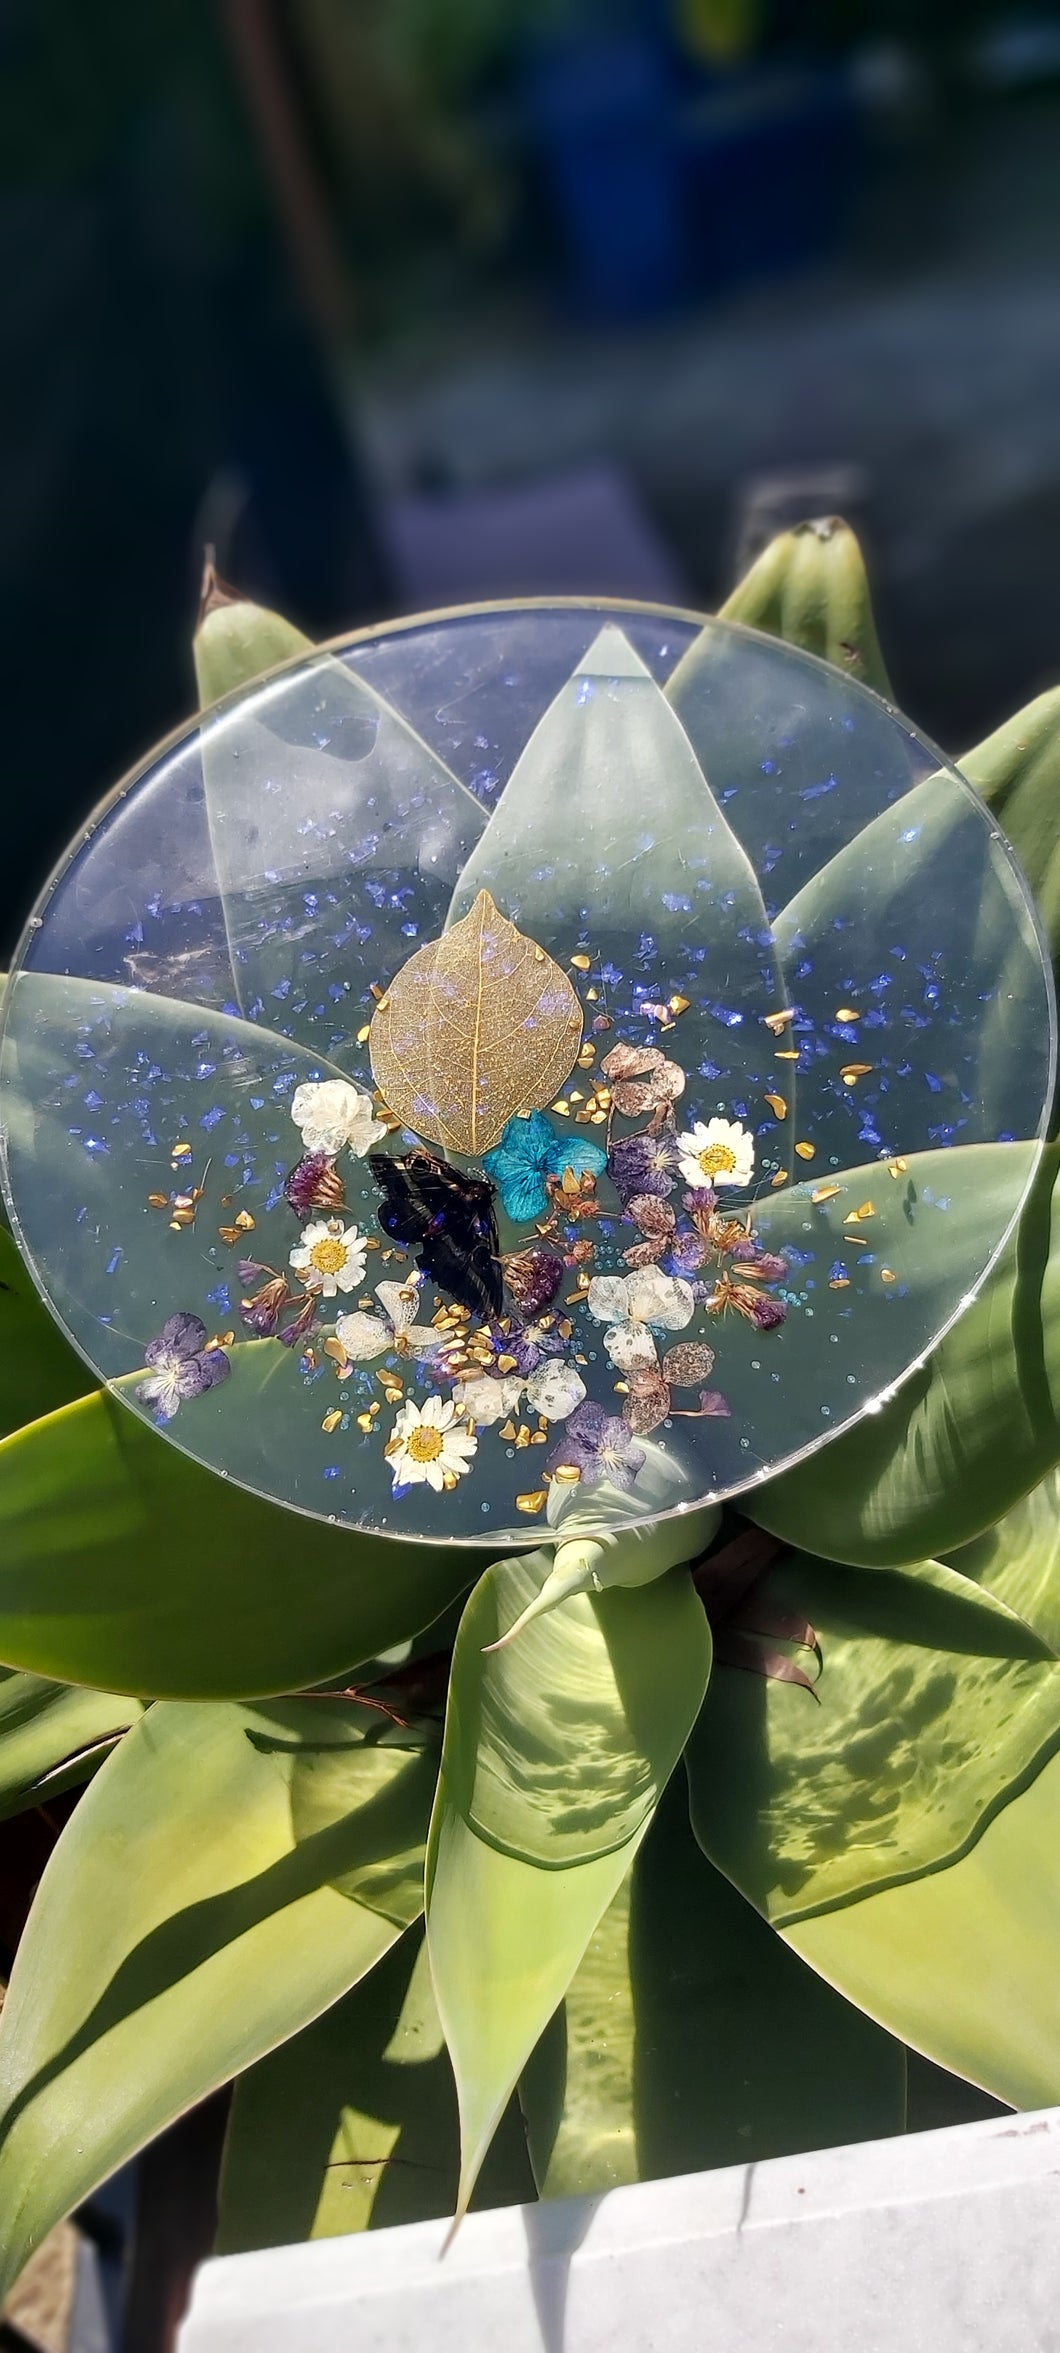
point(631, 1305)
point(331, 1112)
point(554, 1390)
point(430, 1445)
point(716, 1152)
point(364, 1335)
point(488, 1399)
point(330, 1257)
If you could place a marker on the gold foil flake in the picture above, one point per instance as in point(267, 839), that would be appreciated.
point(393, 1396)
point(506, 1364)
point(564, 1112)
point(180, 1151)
point(852, 1071)
point(788, 1054)
point(581, 962)
point(897, 1167)
point(334, 1348)
point(566, 1474)
point(576, 1095)
point(887, 1275)
point(586, 1057)
point(364, 1034)
point(365, 1423)
point(507, 1429)
point(847, 1013)
point(866, 1210)
point(449, 1481)
point(475, 1029)
point(158, 1200)
point(522, 1436)
point(824, 1193)
point(777, 1105)
point(533, 1502)
point(331, 1420)
point(780, 1178)
point(839, 1283)
point(539, 1438)
point(806, 1151)
point(592, 996)
point(679, 1005)
point(377, 992)
point(776, 1023)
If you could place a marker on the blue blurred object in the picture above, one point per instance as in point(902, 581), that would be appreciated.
point(666, 183)
point(772, 159)
point(600, 113)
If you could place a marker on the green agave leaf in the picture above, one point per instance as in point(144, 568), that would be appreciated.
point(967, 1434)
point(691, 2036)
point(124, 1564)
point(839, 930)
point(52, 1737)
point(38, 1368)
point(915, 1792)
point(164, 1071)
point(555, 1755)
point(317, 786)
point(184, 1926)
point(809, 586)
point(352, 2124)
point(1018, 1560)
point(236, 640)
point(608, 819)
point(1017, 770)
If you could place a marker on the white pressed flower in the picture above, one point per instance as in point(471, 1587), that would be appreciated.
point(488, 1399)
point(554, 1390)
point(330, 1257)
point(331, 1112)
point(430, 1445)
point(364, 1335)
point(716, 1152)
point(631, 1305)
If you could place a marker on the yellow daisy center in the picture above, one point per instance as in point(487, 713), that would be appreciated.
point(717, 1160)
point(425, 1444)
point(328, 1257)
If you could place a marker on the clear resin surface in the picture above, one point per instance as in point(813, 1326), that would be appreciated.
point(537, 1063)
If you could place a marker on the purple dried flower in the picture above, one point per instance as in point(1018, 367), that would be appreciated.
point(182, 1365)
point(262, 1312)
point(529, 1344)
point(711, 1401)
point(295, 1331)
point(768, 1313)
point(315, 1184)
point(687, 1253)
point(643, 1164)
point(600, 1446)
point(700, 1200)
point(533, 1277)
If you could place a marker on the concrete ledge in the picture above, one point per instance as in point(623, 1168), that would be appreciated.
point(944, 2242)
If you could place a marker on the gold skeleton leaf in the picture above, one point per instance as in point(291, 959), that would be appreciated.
point(476, 1027)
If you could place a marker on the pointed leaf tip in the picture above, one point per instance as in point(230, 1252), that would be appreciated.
point(611, 656)
point(214, 593)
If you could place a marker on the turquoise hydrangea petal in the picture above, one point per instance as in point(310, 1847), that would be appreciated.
point(519, 1164)
point(530, 1151)
point(578, 1153)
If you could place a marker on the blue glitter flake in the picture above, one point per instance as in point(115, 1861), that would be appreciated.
point(212, 1119)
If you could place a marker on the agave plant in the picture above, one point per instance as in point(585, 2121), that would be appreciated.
point(585, 1705)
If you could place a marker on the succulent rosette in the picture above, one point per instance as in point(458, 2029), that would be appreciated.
point(501, 1090)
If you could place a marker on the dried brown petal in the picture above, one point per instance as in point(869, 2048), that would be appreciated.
point(631, 1061)
point(651, 1214)
point(688, 1364)
point(648, 1402)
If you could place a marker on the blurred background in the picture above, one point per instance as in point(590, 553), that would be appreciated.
point(404, 302)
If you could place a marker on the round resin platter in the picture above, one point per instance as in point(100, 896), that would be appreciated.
point(532, 1065)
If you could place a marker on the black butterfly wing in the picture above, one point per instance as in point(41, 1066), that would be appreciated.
point(448, 1219)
